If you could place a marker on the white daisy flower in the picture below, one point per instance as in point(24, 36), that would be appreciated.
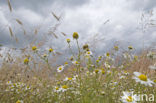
point(142, 79)
point(64, 88)
point(75, 62)
point(129, 97)
point(60, 68)
point(68, 79)
point(57, 89)
point(88, 53)
point(9, 83)
point(20, 101)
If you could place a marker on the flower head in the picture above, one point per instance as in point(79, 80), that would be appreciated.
point(51, 50)
point(60, 68)
point(130, 47)
point(68, 40)
point(26, 61)
point(75, 62)
point(85, 47)
point(129, 97)
point(64, 88)
point(68, 79)
point(75, 35)
point(19, 101)
point(116, 48)
point(34, 48)
point(88, 53)
point(142, 79)
point(44, 55)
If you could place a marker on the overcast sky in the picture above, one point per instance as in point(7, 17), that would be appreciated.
point(111, 20)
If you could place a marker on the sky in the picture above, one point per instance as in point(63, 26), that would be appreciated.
point(100, 23)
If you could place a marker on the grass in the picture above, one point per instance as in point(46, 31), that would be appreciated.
point(31, 78)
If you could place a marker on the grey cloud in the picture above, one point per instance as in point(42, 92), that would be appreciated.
point(86, 17)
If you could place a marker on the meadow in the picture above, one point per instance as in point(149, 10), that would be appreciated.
point(114, 77)
point(120, 75)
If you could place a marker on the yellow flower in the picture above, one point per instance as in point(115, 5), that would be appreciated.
point(57, 88)
point(26, 61)
point(66, 63)
point(75, 35)
point(51, 50)
point(129, 99)
point(130, 47)
point(96, 71)
point(44, 55)
point(103, 72)
point(65, 87)
point(85, 47)
point(154, 81)
point(142, 77)
point(116, 48)
point(107, 54)
point(68, 40)
point(34, 48)
point(97, 61)
point(19, 101)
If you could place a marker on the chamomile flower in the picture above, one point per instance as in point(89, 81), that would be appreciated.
point(66, 64)
point(44, 55)
point(26, 61)
point(19, 101)
point(34, 48)
point(141, 78)
point(88, 53)
point(64, 88)
point(9, 83)
point(57, 89)
point(96, 71)
point(85, 47)
point(50, 50)
point(75, 35)
point(130, 47)
point(129, 97)
point(68, 40)
point(75, 62)
point(68, 79)
point(60, 68)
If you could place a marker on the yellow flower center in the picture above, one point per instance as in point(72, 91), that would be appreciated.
point(129, 99)
point(142, 77)
point(76, 62)
point(60, 68)
point(51, 50)
point(18, 101)
point(96, 71)
point(26, 60)
point(103, 72)
point(75, 35)
point(69, 78)
point(64, 86)
point(57, 88)
point(107, 54)
point(154, 81)
point(34, 48)
point(66, 63)
point(68, 40)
